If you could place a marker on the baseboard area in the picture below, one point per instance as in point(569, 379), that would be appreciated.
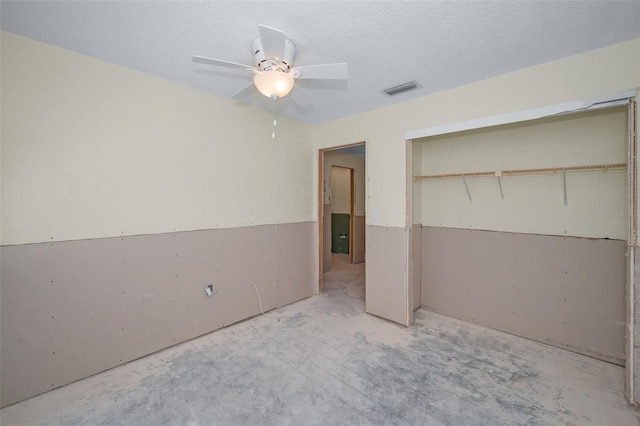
point(72, 309)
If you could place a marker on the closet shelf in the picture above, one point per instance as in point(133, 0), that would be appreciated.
point(549, 170)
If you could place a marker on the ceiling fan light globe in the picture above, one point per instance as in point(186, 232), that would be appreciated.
point(273, 83)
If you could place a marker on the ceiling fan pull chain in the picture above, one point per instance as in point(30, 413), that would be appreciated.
point(275, 123)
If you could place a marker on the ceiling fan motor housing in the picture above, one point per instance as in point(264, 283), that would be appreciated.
point(279, 64)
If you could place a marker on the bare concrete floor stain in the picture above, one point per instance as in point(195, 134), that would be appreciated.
point(323, 361)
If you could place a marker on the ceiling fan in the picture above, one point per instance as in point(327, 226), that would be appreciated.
point(274, 75)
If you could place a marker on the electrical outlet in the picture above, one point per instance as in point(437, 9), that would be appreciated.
point(209, 290)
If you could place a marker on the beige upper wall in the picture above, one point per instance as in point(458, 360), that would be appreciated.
point(91, 149)
point(597, 73)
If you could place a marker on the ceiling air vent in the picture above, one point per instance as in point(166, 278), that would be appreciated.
point(401, 88)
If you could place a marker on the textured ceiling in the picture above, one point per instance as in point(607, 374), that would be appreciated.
point(438, 44)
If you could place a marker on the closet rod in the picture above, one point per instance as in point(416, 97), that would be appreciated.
point(595, 167)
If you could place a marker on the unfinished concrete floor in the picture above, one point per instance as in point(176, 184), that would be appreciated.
point(324, 361)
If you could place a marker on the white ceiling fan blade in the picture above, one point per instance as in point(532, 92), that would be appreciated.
point(301, 97)
point(272, 42)
point(220, 62)
point(322, 72)
point(244, 91)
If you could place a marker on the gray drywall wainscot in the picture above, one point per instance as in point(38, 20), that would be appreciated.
point(564, 291)
point(73, 309)
point(386, 269)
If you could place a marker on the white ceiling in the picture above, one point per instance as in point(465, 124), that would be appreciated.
point(438, 44)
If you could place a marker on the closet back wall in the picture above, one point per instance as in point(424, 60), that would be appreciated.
point(528, 264)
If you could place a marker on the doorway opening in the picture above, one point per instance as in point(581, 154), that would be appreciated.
point(341, 196)
point(342, 208)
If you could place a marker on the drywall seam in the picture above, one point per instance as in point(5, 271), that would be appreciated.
point(416, 264)
point(148, 234)
point(408, 145)
point(632, 241)
point(408, 275)
point(630, 339)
